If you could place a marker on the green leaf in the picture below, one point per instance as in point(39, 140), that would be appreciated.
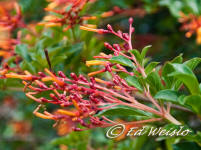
point(123, 111)
point(150, 67)
point(186, 146)
point(137, 55)
point(167, 69)
point(57, 59)
point(22, 50)
point(122, 60)
point(154, 81)
point(168, 95)
point(184, 74)
point(144, 51)
point(193, 63)
point(133, 80)
point(178, 59)
point(195, 102)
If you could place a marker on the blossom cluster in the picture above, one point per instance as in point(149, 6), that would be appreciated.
point(81, 99)
point(8, 24)
point(191, 24)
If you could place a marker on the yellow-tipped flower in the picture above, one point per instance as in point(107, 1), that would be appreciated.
point(100, 31)
point(198, 39)
point(95, 62)
point(66, 112)
point(23, 77)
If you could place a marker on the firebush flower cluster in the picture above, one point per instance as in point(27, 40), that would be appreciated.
point(68, 13)
point(191, 24)
point(8, 24)
point(81, 99)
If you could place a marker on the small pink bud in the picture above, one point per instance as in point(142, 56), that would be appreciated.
point(41, 74)
point(119, 32)
point(107, 45)
point(125, 36)
point(108, 68)
point(130, 20)
point(117, 47)
point(82, 78)
point(132, 29)
point(56, 85)
point(109, 27)
point(73, 75)
point(61, 74)
point(116, 53)
point(76, 129)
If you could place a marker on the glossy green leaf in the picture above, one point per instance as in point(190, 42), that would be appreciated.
point(167, 69)
point(137, 55)
point(144, 51)
point(168, 95)
point(149, 68)
point(195, 102)
point(178, 59)
point(154, 81)
point(184, 74)
point(123, 111)
point(122, 60)
point(133, 80)
point(193, 63)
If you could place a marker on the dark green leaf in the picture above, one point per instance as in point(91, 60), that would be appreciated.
point(144, 51)
point(122, 60)
point(150, 67)
point(22, 50)
point(123, 111)
point(154, 81)
point(137, 55)
point(184, 74)
point(133, 80)
point(195, 102)
point(168, 95)
point(192, 63)
point(178, 59)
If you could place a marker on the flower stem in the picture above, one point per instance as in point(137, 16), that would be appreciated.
point(172, 119)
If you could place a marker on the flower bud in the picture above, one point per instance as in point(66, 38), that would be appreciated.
point(73, 75)
point(130, 20)
point(108, 46)
point(109, 27)
point(61, 74)
point(119, 32)
point(117, 47)
point(82, 78)
point(125, 36)
point(41, 74)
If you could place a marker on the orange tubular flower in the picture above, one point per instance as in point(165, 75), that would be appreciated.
point(8, 24)
point(68, 10)
point(95, 62)
point(191, 24)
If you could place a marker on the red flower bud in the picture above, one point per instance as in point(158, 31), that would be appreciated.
point(125, 36)
point(73, 75)
point(61, 74)
point(108, 46)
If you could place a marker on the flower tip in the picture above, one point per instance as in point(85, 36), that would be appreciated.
point(109, 27)
point(130, 20)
